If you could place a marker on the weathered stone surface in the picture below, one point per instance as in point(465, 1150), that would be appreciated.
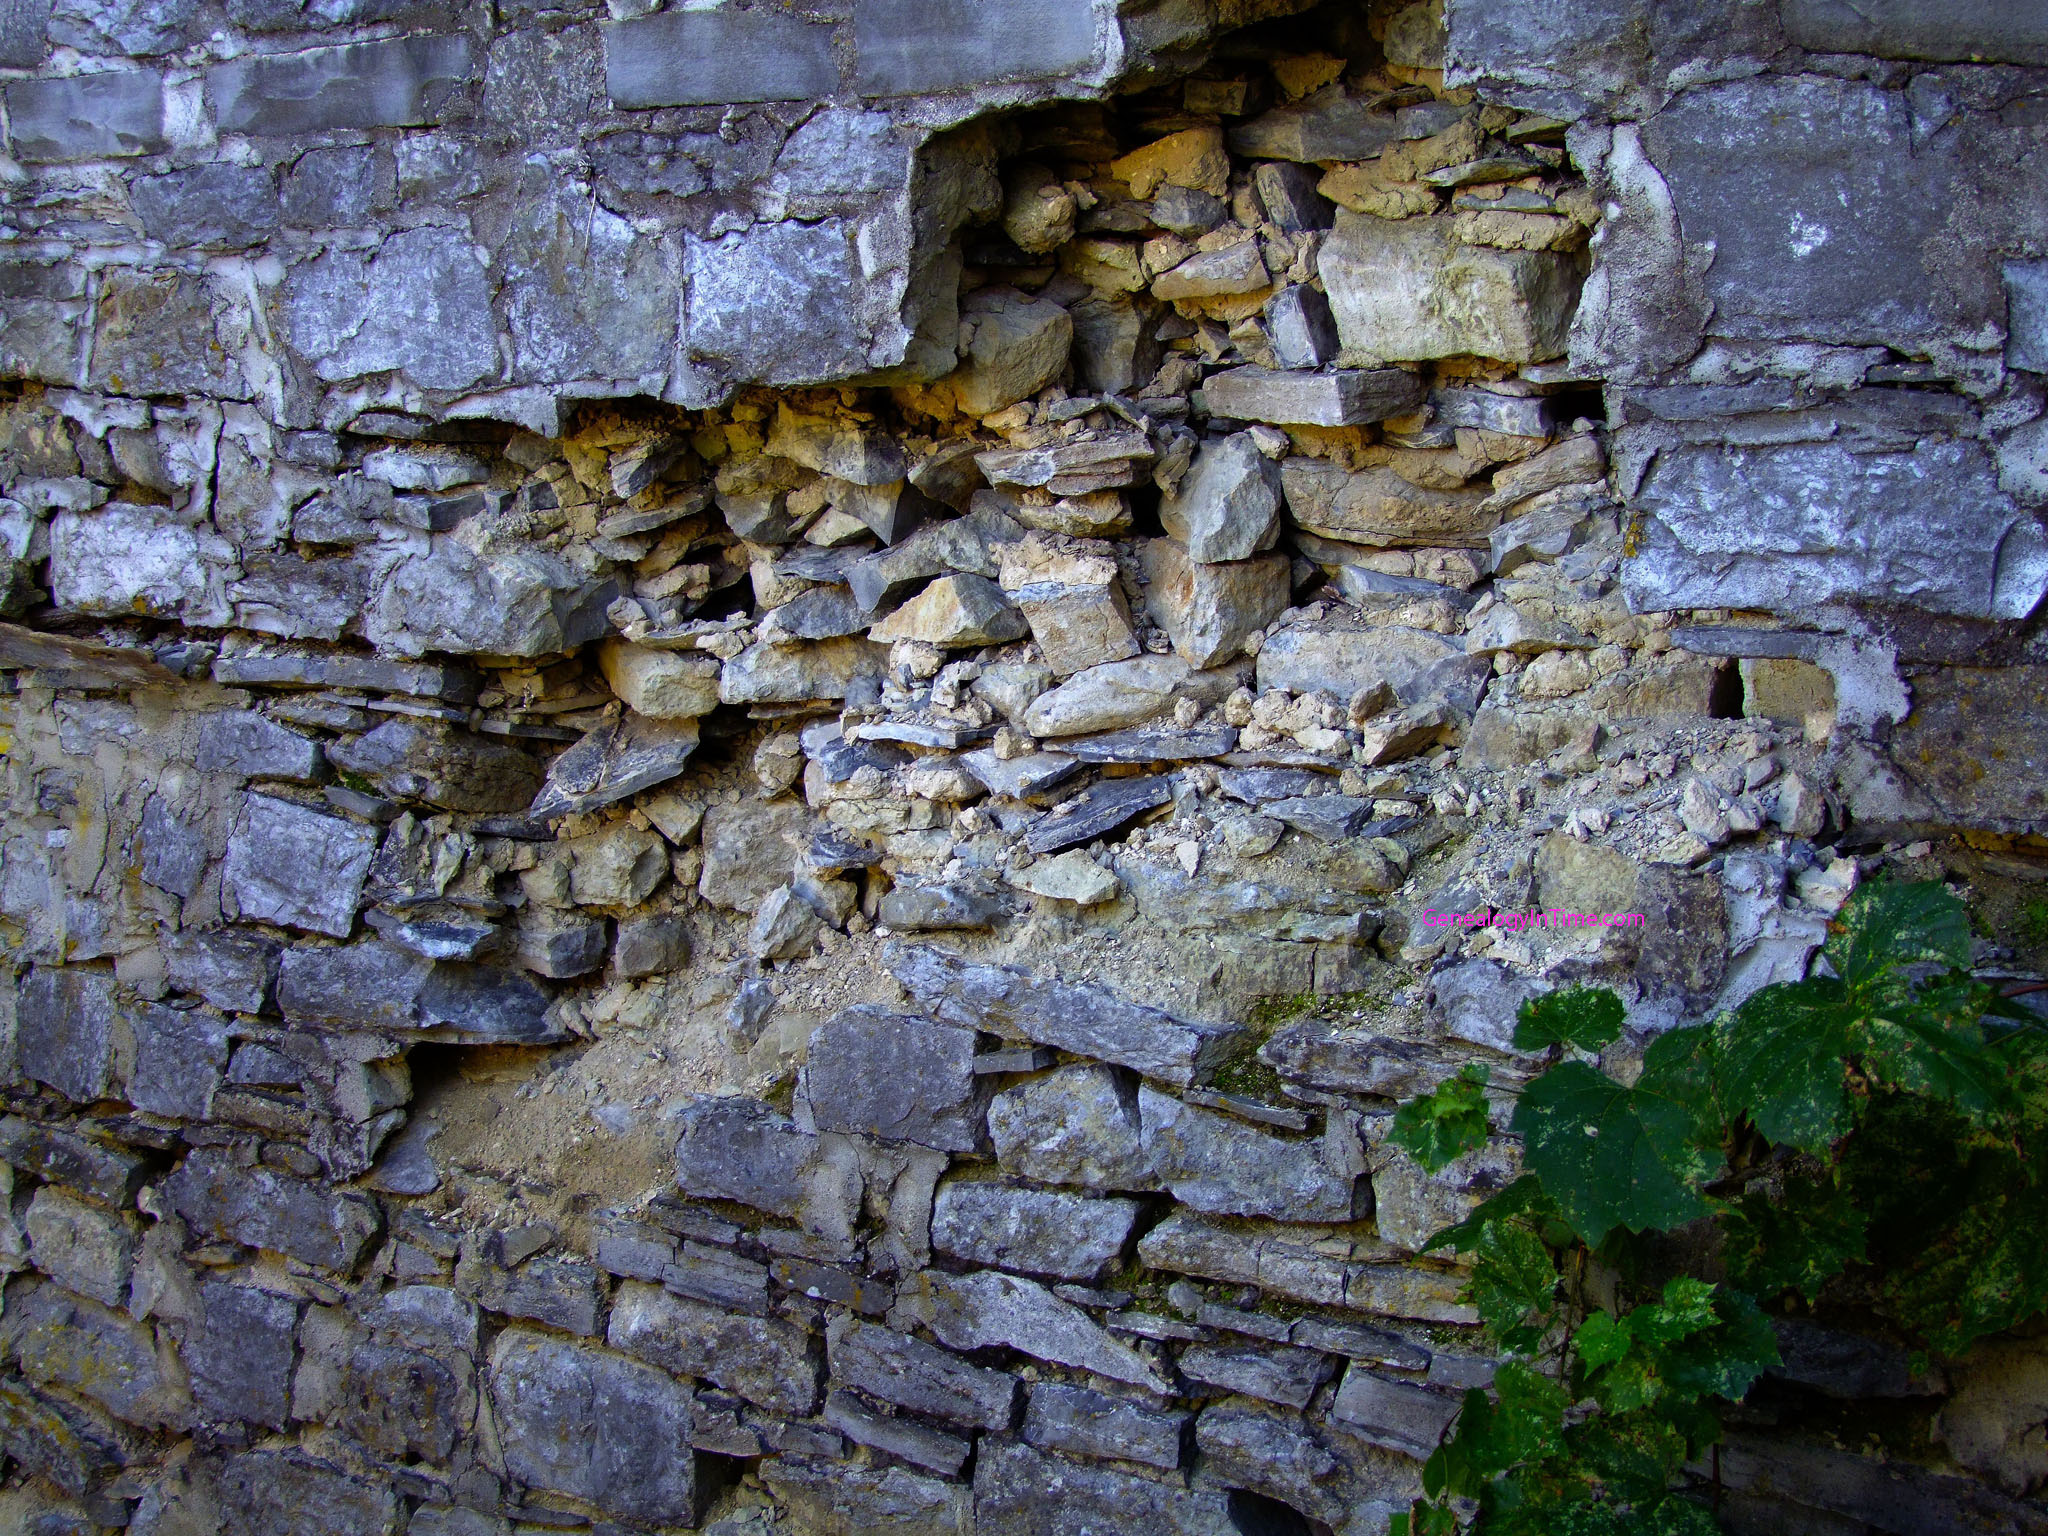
point(1346, 397)
point(241, 1354)
point(955, 611)
point(684, 58)
point(82, 1247)
point(395, 83)
point(905, 48)
point(1234, 269)
point(1228, 507)
point(1083, 1422)
point(1210, 610)
point(596, 1426)
point(1040, 1232)
point(614, 762)
point(1011, 1481)
point(1012, 347)
point(284, 1493)
point(1329, 125)
point(1377, 506)
point(987, 1309)
point(519, 602)
point(1285, 1376)
point(1771, 528)
point(854, 1500)
point(1285, 1263)
point(420, 304)
point(1963, 719)
point(1090, 1021)
point(1108, 697)
point(63, 1341)
point(1897, 29)
point(64, 1030)
point(1217, 1163)
point(1077, 1126)
point(749, 850)
point(224, 206)
point(127, 559)
point(910, 1373)
point(1341, 662)
point(267, 1209)
point(787, 303)
point(663, 685)
point(180, 1055)
point(441, 764)
point(1405, 289)
point(82, 117)
point(107, 1174)
point(377, 984)
point(895, 1077)
point(780, 673)
point(739, 1149)
point(1317, 1469)
point(1396, 1414)
point(764, 1360)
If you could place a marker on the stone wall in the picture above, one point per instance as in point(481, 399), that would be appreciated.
point(734, 734)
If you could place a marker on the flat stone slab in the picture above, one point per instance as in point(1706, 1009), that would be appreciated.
point(1097, 812)
point(1147, 744)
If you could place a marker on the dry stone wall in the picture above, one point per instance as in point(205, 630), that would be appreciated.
point(737, 736)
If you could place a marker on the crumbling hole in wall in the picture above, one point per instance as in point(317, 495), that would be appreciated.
point(1256, 1515)
point(1724, 697)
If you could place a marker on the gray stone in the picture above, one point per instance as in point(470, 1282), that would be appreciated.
point(1228, 506)
point(63, 1341)
point(852, 1500)
point(664, 685)
point(906, 48)
point(266, 1209)
point(2026, 315)
point(282, 1493)
point(1210, 610)
point(1087, 1020)
point(560, 1292)
point(1020, 778)
point(173, 849)
point(64, 1030)
point(295, 867)
point(905, 1439)
point(1396, 1414)
point(595, 1426)
point(1083, 1422)
point(180, 1056)
point(134, 27)
point(739, 1149)
point(224, 206)
point(1406, 289)
point(955, 611)
point(768, 1362)
point(1979, 30)
point(688, 58)
point(786, 303)
point(259, 664)
point(1931, 531)
point(940, 906)
point(85, 117)
point(869, 1072)
point(109, 1175)
point(379, 985)
point(1340, 662)
point(1018, 346)
point(1040, 1232)
point(443, 765)
point(1011, 1479)
point(586, 295)
point(718, 1276)
point(1330, 818)
point(1108, 697)
point(245, 744)
point(749, 850)
point(127, 559)
point(1286, 1376)
point(1115, 350)
point(1153, 744)
point(420, 305)
point(1301, 327)
point(341, 187)
point(1218, 1164)
point(896, 1368)
point(776, 673)
point(410, 1390)
point(987, 1309)
point(241, 1354)
point(1078, 1125)
point(1072, 466)
point(82, 1247)
point(1288, 193)
point(1316, 1469)
point(1233, 269)
point(1345, 397)
point(614, 762)
point(399, 82)
point(1329, 125)
point(651, 946)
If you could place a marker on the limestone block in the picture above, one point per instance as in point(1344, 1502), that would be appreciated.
point(1010, 1480)
point(765, 1360)
point(240, 1353)
point(76, 1345)
point(1040, 1232)
point(128, 559)
point(1218, 1164)
point(910, 1373)
point(1228, 506)
point(987, 1309)
point(65, 1030)
point(1210, 610)
point(397, 82)
point(1346, 397)
point(911, 47)
point(180, 1055)
point(1083, 1422)
point(870, 1072)
point(419, 304)
point(85, 117)
point(84, 1248)
point(296, 867)
point(267, 1209)
point(691, 58)
point(1014, 346)
point(225, 207)
point(664, 685)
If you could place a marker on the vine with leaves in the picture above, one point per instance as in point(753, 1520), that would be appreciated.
point(1881, 1118)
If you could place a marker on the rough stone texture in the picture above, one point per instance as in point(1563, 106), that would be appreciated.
point(1084, 1422)
point(910, 1373)
point(1215, 1163)
point(986, 1309)
point(270, 1210)
point(762, 1359)
point(1041, 1232)
point(1016, 1490)
point(1077, 1126)
point(893, 1077)
point(64, 1030)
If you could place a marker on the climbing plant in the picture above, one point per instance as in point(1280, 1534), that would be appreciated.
point(1884, 1116)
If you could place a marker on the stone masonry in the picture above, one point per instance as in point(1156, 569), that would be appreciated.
point(733, 734)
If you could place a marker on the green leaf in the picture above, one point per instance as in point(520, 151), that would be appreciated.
point(1603, 1339)
point(1679, 1065)
point(1798, 1242)
point(1781, 1062)
point(1610, 1156)
point(1584, 1017)
point(1443, 1125)
point(1524, 1197)
point(1888, 926)
point(1686, 1309)
point(1726, 1359)
point(1512, 1277)
point(1934, 1044)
